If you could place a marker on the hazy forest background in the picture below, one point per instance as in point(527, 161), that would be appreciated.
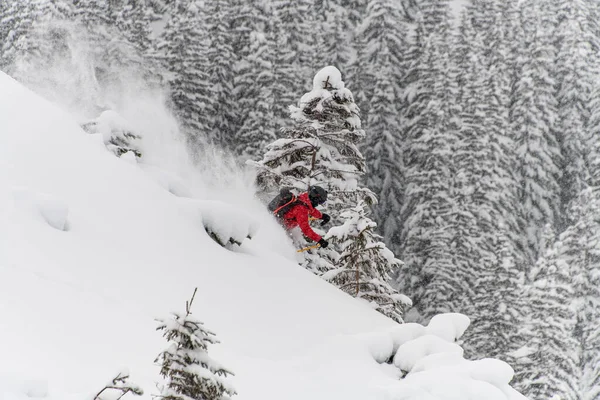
point(482, 136)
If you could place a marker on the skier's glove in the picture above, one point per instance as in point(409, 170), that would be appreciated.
point(324, 243)
point(325, 219)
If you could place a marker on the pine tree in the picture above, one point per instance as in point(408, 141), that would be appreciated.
point(188, 370)
point(220, 59)
point(533, 114)
point(181, 50)
point(254, 80)
point(592, 141)
point(334, 41)
point(486, 219)
point(574, 78)
point(365, 264)
point(580, 251)
point(546, 367)
point(383, 45)
point(294, 62)
point(31, 35)
point(321, 147)
point(430, 130)
point(433, 14)
point(498, 300)
point(133, 19)
point(5, 29)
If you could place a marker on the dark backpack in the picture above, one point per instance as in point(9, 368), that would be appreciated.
point(283, 203)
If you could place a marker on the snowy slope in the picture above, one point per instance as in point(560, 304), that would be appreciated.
point(93, 248)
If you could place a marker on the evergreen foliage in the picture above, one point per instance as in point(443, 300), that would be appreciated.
point(383, 43)
point(321, 146)
point(189, 372)
point(547, 364)
point(294, 62)
point(580, 253)
point(254, 79)
point(121, 385)
point(22, 25)
point(534, 116)
point(182, 48)
point(133, 19)
point(365, 264)
point(430, 133)
point(219, 61)
point(573, 63)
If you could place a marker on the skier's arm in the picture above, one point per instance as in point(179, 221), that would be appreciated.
point(316, 213)
point(302, 218)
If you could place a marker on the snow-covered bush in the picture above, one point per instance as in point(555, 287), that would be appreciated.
point(118, 136)
point(118, 387)
point(225, 224)
point(188, 370)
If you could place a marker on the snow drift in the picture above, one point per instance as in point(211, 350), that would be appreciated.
point(94, 247)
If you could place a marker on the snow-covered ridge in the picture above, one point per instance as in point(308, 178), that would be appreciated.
point(94, 247)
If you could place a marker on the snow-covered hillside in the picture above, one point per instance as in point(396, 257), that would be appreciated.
point(93, 248)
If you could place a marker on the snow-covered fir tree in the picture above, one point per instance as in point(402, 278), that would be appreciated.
point(546, 365)
point(294, 61)
point(574, 79)
point(430, 133)
point(592, 140)
point(133, 19)
point(383, 43)
point(254, 79)
point(181, 49)
point(580, 252)
point(219, 64)
point(365, 264)
point(321, 149)
point(32, 32)
point(499, 301)
point(188, 371)
point(334, 42)
point(533, 114)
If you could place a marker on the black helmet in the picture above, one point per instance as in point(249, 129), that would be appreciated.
point(317, 195)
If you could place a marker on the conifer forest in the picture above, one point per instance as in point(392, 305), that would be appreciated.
point(473, 128)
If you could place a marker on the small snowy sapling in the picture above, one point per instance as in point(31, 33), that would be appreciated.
point(188, 371)
point(118, 387)
point(365, 263)
point(118, 136)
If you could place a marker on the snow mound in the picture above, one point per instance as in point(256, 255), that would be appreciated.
point(411, 352)
point(405, 332)
point(433, 365)
point(225, 224)
point(328, 78)
point(496, 372)
point(117, 134)
point(43, 207)
point(449, 326)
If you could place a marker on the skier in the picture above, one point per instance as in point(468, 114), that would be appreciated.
point(304, 208)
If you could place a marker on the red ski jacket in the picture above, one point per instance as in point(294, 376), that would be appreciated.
point(299, 214)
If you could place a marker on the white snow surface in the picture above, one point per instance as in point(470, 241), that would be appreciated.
point(93, 248)
point(328, 77)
